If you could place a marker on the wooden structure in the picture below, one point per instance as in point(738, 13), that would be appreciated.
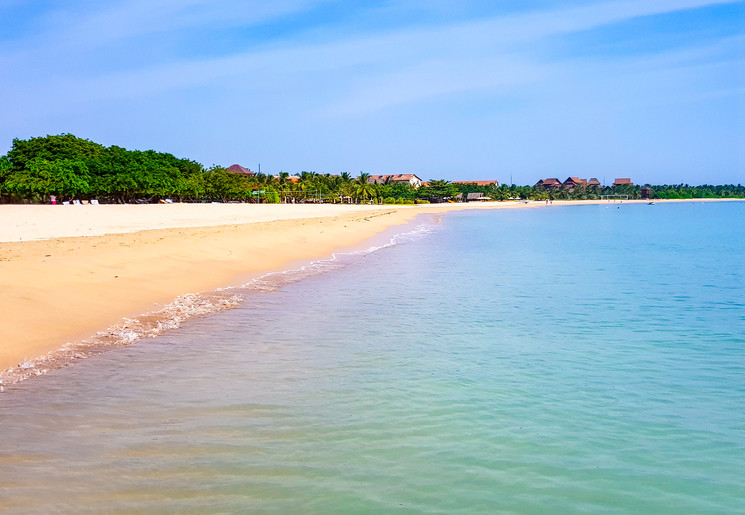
point(573, 182)
point(476, 196)
point(551, 183)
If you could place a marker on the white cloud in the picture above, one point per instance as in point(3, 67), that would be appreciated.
point(336, 78)
point(135, 18)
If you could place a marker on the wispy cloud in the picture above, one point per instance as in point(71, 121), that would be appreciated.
point(385, 70)
point(131, 19)
point(84, 60)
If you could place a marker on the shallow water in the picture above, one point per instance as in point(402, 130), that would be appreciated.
point(569, 359)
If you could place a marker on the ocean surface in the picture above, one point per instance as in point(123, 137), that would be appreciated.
point(586, 359)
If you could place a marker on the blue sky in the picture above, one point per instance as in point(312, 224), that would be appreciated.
point(474, 89)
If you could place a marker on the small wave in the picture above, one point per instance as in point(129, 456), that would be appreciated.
point(126, 332)
point(184, 307)
point(274, 281)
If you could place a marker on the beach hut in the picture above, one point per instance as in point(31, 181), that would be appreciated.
point(476, 196)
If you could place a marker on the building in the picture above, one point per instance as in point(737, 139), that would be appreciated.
point(409, 178)
point(573, 182)
point(240, 169)
point(622, 182)
point(470, 197)
point(548, 184)
point(478, 183)
point(594, 182)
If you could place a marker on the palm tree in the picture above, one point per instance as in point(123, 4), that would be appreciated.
point(282, 185)
point(364, 189)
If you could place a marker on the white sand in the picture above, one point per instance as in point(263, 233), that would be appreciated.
point(35, 222)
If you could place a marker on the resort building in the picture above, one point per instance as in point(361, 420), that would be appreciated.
point(623, 182)
point(478, 183)
point(409, 178)
point(573, 182)
point(240, 169)
point(569, 184)
point(547, 184)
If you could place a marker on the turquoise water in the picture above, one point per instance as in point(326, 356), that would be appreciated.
point(560, 360)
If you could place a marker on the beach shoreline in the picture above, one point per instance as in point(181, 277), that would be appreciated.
point(68, 273)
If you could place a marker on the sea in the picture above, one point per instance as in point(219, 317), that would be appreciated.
point(561, 359)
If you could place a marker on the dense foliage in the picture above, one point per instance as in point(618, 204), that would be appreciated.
point(73, 168)
point(678, 191)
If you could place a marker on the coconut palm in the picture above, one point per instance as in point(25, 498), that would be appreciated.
point(283, 185)
point(363, 188)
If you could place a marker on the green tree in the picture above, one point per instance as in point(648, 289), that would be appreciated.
point(363, 188)
point(438, 190)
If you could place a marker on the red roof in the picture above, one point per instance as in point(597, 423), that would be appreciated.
point(403, 177)
point(622, 181)
point(239, 169)
point(575, 180)
point(478, 183)
point(552, 181)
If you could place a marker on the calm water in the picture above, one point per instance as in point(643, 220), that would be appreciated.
point(563, 360)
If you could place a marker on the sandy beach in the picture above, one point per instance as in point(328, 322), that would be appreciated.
point(68, 272)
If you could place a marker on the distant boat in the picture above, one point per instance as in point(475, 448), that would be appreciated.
point(650, 203)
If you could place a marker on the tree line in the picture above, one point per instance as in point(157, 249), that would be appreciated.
point(69, 167)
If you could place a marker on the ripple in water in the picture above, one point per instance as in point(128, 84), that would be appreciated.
point(470, 371)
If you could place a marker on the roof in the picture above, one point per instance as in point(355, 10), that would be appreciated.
point(551, 181)
point(575, 180)
point(620, 181)
point(593, 182)
point(478, 183)
point(404, 177)
point(239, 169)
point(400, 177)
point(475, 196)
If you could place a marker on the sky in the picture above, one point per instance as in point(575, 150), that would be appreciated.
point(512, 90)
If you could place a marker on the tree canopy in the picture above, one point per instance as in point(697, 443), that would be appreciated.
point(69, 167)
